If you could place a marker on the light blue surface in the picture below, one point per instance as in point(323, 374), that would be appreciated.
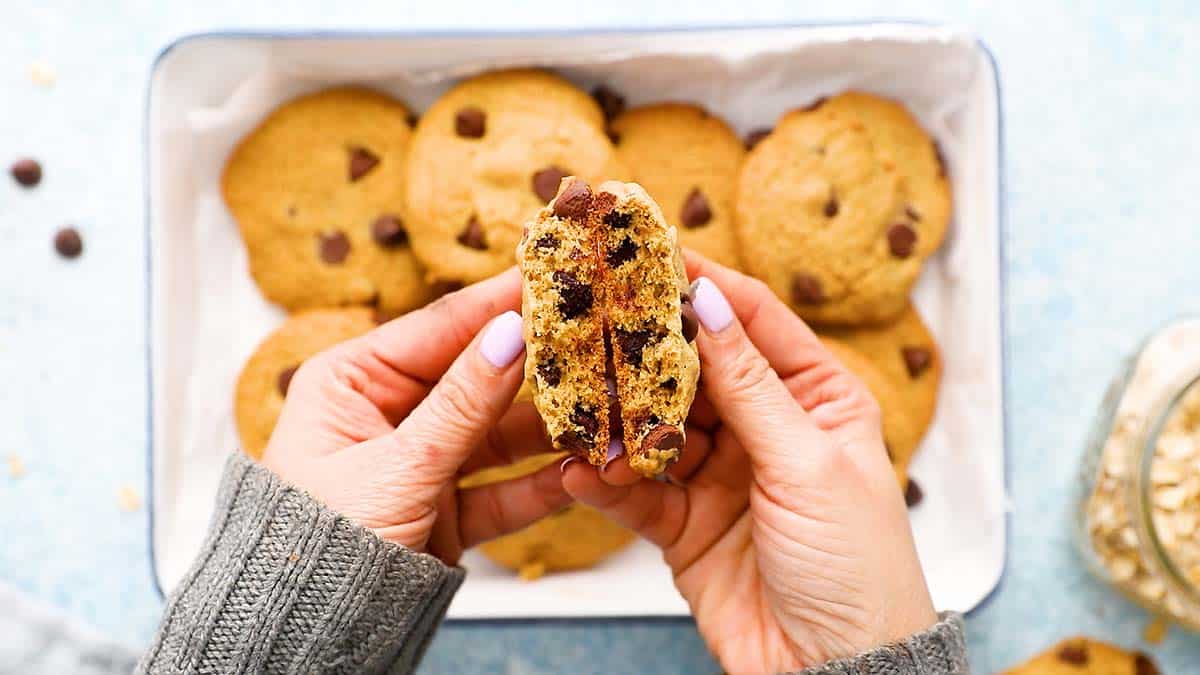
point(1101, 182)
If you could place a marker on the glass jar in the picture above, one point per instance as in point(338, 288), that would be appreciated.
point(1139, 504)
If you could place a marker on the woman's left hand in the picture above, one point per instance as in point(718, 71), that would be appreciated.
point(381, 428)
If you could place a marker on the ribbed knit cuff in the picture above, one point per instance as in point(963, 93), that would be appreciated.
point(941, 650)
point(283, 584)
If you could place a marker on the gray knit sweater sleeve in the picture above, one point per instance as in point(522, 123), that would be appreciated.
point(284, 585)
point(941, 650)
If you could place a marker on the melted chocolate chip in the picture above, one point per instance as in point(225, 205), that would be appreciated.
point(670, 384)
point(755, 137)
point(815, 104)
point(807, 290)
point(618, 220)
point(696, 211)
point(913, 494)
point(663, 437)
point(1075, 654)
point(622, 253)
point(470, 122)
point(916, 359)
point(831, 207)
point(576, 296)
point(586, 420)
point(362, 161)
point(549, 371)
point(68, 242)
point(690, 321)
point(610, 102)
point(632, 342)
point(545, 182)
point(613, 136)
point(388, 231)
point(27, 172)
point(333, 247)
point(412, 119)
point(472, 235)
point(572, 441)
point(902, 240)
point(547, 242)
point(573, 201)
point(285, 379)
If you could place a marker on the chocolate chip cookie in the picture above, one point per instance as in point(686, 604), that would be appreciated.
point(487, 155)
point(1083, 656)
point(263, 383)
point(839, 207)
point(577, 537)
point(688, 160)
point(316, 192)
point(608, 324)
point(906, 356)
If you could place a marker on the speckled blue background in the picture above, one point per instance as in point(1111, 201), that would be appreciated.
point(1101, 174)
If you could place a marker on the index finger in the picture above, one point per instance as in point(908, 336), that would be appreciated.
point(787, 343)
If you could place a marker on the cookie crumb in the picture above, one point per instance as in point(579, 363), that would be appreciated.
point(16, 466)
point(1156, 630)
point(128, 499)
point(43, 74)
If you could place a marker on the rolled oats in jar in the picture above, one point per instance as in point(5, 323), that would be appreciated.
point(1140, 504)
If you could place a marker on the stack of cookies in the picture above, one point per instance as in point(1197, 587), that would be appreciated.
point(353, 211)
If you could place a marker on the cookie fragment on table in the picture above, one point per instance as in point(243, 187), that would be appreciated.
point(1085, 656)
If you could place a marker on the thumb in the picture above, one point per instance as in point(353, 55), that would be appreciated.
point(746, 392)
point(467, 401)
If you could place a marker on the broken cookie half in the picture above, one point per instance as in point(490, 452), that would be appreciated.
point(609, 326)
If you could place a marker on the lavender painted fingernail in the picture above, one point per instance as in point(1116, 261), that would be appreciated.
point(615, 450)
point(711, 306)
point(503, 341)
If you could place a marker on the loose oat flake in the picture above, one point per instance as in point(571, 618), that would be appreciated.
point(43, 74)
point(128, 499)
point(16, 466)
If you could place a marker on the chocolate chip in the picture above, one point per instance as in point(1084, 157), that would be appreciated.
point(755, 137)
point(902, 240)
point(547, 242)
point(545, 182)
point(618, 220)
point(622, 253)
point(913, 495)
point(334, 247)
point(695, 211)
point(573, 201)
point(472, 235)
point(814, 105)
point(613, 136)
point(470, 122)
point(549, 371)
point(576, 295)
point(68, 243)
point(916, 359)
point(1144, 665)
point(27, 172)
point(912, 214)
point(444, 286)
point(632, 342)
point(388, 230)
point(361, 163)
point(1075, 654)
point(663, 437)
point(572, 441)
point(691, 322)
point(585, 419)
point(807, 290)
point(670, 384)
point(611, 102)
point(831, 207)
point(941, 159)
point(412, 119)
point(285, 379)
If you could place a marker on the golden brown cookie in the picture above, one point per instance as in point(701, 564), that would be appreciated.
point(900, 435)
point(609, 327)
point(1085, 656)
point(688, 160)
point(487, 155)
point(906, 356)
point(316, 192)
point(839, 207)
point(264, 380)
point(575, 538)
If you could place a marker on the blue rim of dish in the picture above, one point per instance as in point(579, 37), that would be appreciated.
point(350, 34)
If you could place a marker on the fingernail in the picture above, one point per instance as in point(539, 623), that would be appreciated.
point(567, 462)
point(503, 340)
point(711, 306)
point(616, 448)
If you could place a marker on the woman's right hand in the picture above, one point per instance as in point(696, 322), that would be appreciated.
point(784, 528)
